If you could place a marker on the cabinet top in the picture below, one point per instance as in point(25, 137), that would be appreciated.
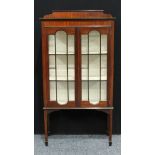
point(78, 15)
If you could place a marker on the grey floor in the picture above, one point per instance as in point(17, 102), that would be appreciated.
point(77, 145)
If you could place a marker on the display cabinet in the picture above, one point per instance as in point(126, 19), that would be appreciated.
point(78, 63)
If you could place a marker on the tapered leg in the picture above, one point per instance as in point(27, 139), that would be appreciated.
point(46, 126)
point(108, 120)
point(48, 123)
point(110, 127)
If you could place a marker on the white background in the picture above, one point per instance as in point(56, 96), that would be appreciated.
point(17, 77)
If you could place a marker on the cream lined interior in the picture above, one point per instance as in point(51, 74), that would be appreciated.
point(93, 67)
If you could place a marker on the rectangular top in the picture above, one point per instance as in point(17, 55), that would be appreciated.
point(78, 15)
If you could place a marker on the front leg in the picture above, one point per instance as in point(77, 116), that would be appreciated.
point(110, 127)
point(46, 126)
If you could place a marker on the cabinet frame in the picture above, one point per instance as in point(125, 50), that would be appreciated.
point(77, 23)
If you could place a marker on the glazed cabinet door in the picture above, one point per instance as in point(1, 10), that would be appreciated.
point(94, 68)
point(60, 67)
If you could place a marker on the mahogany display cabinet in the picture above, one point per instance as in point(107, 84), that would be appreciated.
point(78, 63)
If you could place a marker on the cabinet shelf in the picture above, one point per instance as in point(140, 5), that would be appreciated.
point(62, 74)
point(72, 68)
point(74, 80)
point(61, 54)
point(98, 53)
point(81, 54)
point(94, 54)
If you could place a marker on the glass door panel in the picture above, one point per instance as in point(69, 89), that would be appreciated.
point(62, 91)
point(94, 91)
point(61, 50)
point(94, 67)
point(84, 90)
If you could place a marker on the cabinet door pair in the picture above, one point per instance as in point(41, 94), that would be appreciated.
point(77, 62)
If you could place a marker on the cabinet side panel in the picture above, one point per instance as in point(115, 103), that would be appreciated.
point(111, 65)
point(44, 65)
